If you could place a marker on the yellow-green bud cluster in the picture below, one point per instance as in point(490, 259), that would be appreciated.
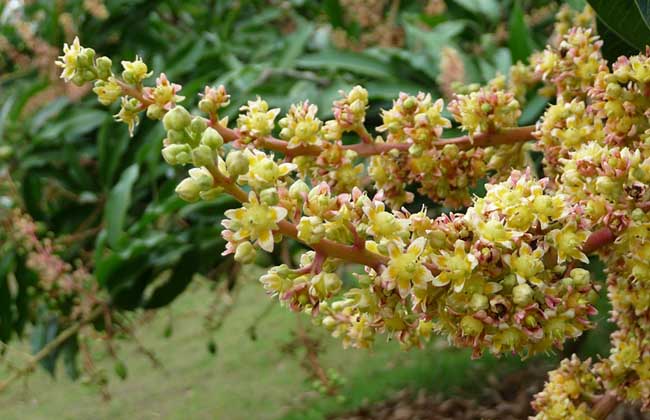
point(485, 111)
point(301, 126)
point(257, 122)
point(79, 64)
point(571, 67)
point(350, 111)
point(569, 393)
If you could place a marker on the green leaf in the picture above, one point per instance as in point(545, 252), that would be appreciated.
point(644, 9)
point(613, 46)
point(624, 19)
point(117, 204)
point(176, 283)
point(487, 8)
point(111, 145)
point(577, 4)
point(80, 123)
point(519, 39)
point(295, 44)
point(334, 12)
point(45, 331)
point(69, 352)
point(358, 63)
point(6, 322)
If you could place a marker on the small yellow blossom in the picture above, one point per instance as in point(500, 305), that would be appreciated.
point(455, 267)
point(405, 267)
point(255, 221)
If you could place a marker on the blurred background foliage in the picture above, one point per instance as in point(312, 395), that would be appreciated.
point(102, 204)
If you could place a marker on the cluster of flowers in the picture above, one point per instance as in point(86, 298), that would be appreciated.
point(64, 285)
point(502, 277)
point(595, 144)
point(496, 278)
point(571, 390)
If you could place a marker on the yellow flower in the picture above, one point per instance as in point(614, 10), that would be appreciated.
point(455, 268)
point(129, 113)
point(493, 230)
point(526, 263)
point(258, 121)
point(107, 91)
point(263, 172)
point(568, 241)
point(405, 268)
point(135, 71)
point(69, 59)
point(255, 221)
point(382, 224)
point(301, 126)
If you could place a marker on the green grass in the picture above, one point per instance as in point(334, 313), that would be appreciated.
point(246, 379)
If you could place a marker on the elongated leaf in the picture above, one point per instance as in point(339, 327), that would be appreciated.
point(80, 123)
point(177, 282)
point(644, 8)
point(110, 150)
point(625, 19)
point(487, 8)
point(519, 40)
point(295, 44)
point(6, 322)
point(119, 200)
point(341, 60)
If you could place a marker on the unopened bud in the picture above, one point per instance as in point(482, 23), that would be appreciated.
point(236, 163)
point(212, 138)
point(270, 196)
point(103, 65)
point(202, 177)
point(202, 155)
point(188, 190)
point(471, 326)
point(580, 276)
point(177, 119)
point(245, 253)
point(177, 154)
point(198, 125)
point(298, 189)
point(522, 294)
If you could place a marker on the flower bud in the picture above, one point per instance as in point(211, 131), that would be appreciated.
point(298, 189)
point(478, 302)
point(212, 138)
point(203, 156)
point(211, 194)
point(155, 112)
point(471, 326)
point(311, 229)
point(245, 253)
point(176, 136)
point(177, 119)
point(329, 322)
point(188, 190)
point(606, 185)
point(522, 294)
point(236, 163)
point(410, 103)
point(134, 71)
point(270, 197)
point(580, 276)
point(198, 125)
point(207, 106)
point(202, 177)
point(177, 154)
point(103, 65)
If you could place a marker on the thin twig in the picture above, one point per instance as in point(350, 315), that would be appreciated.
point(50, 347)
